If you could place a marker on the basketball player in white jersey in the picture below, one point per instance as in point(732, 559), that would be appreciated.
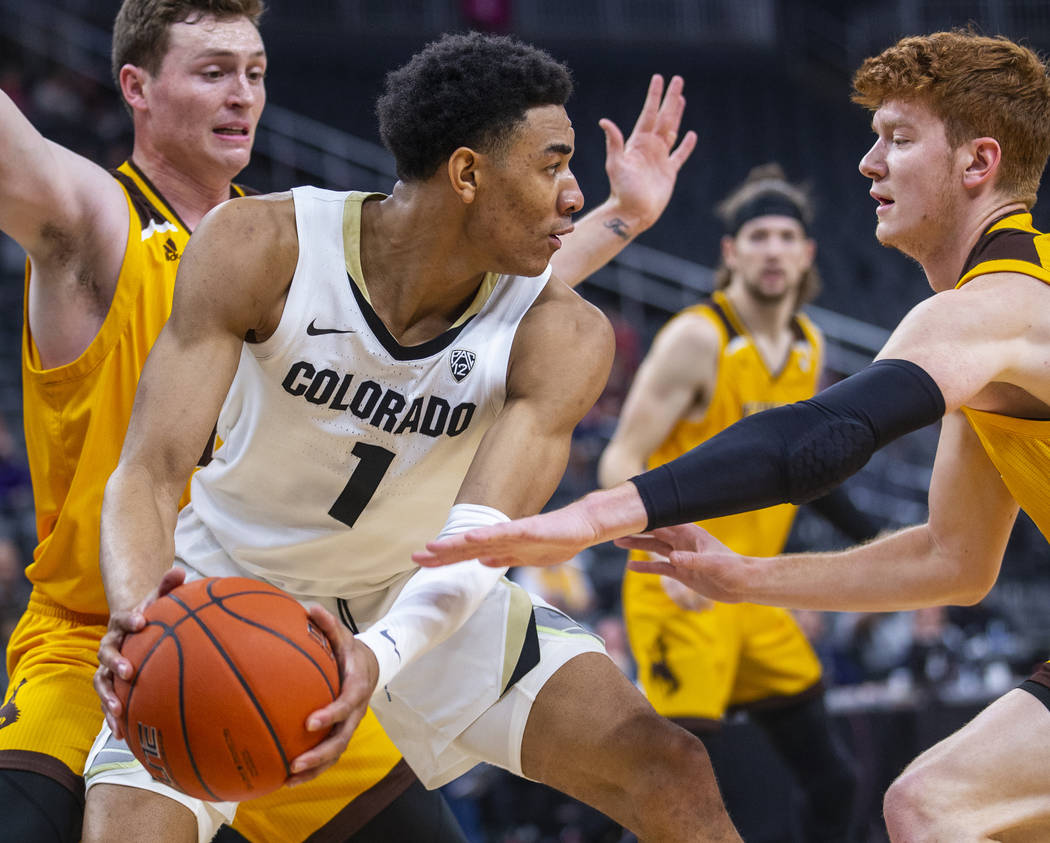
point(380, 366)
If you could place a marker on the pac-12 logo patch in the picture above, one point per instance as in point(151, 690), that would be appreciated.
point(461, 362)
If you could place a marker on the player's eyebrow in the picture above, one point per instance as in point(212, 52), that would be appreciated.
point(219, 53)
point(559, 148)
point(888, 124)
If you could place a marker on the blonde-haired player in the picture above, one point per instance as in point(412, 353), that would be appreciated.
point(746, 348)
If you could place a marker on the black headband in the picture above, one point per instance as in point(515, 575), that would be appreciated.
point(763, 205)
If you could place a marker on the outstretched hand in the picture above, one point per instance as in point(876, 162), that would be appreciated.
point(546, 539)
point(111, 663)
point(642, 171)
point(693, 557)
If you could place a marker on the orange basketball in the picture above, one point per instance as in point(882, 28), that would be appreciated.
point(226, 671)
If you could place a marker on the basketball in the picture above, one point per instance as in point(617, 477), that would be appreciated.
point(226, 671)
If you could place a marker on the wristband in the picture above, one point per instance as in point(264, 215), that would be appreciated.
point(435, 602)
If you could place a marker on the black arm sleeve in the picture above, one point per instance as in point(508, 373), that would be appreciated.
point(794, 453)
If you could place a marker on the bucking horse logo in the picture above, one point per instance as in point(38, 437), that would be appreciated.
point(9, 712)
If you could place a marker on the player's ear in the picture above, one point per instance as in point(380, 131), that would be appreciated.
point(133, 85)
point(983, 157)
point(463, 173)
point(728, 251)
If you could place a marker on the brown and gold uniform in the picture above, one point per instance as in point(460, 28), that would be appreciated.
point(694, 666)
point(1019, 448)
point(76, 416)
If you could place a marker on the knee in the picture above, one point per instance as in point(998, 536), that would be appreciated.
point(673, 788)
point(675, 762)
point(679, 748)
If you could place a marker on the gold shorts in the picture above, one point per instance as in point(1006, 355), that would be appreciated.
point(697, 665)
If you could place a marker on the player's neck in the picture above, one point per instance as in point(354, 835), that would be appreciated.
point(190, 195)
point(418, 278)
point(944, 263)
point(768, 319)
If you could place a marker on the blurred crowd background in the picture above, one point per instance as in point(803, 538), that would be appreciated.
point(766, 80)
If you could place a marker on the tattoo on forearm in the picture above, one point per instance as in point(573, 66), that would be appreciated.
point(618, 227)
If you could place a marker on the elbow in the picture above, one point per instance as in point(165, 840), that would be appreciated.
point(617, 465)
point(961, 571)
point(972, 579)
point(606, 469)
point(970, 594)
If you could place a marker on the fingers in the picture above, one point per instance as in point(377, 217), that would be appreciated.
point(660, 117)
point(425, 558)
point(337, 711)
point(646, 542)
point(648, 115)
point(500, 561)
point(109, 654)
point(460, 547)
point(651, 566)
point(315, 761)
point(342, 716)
point(668, 118)
point(328, 624)
point(683, 536)
point(451, 555)
point(111, 707)
point(112, 663)
point(685, 149)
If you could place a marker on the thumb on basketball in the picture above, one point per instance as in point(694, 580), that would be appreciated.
point(172, 579)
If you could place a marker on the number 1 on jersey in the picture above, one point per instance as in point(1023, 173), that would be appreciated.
point(373, 462)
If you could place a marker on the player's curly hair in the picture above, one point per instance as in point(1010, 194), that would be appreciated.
point(141, 31)
point(464, 90)
point(763, 180)
point(979, 86)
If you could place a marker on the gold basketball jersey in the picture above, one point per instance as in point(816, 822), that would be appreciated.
point(1019, 448)
point(694, 666)
point(75, 415)
point(746, 385)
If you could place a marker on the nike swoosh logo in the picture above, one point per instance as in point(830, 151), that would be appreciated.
point(386, 634)
point(313, 331)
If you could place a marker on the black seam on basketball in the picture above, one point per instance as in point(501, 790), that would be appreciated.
point(185, 726)
point(169, 632)
point(219, 601)
point(192, 614)
point(331, 690)
point(145, 660)
point(271, 591)
point(244, 685)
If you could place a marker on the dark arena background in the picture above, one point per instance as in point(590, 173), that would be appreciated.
point(765, 80)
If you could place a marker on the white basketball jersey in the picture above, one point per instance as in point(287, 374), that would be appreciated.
point(342, 451)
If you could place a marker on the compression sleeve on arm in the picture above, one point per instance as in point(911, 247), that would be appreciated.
point(794, 453)
point(435, 602)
